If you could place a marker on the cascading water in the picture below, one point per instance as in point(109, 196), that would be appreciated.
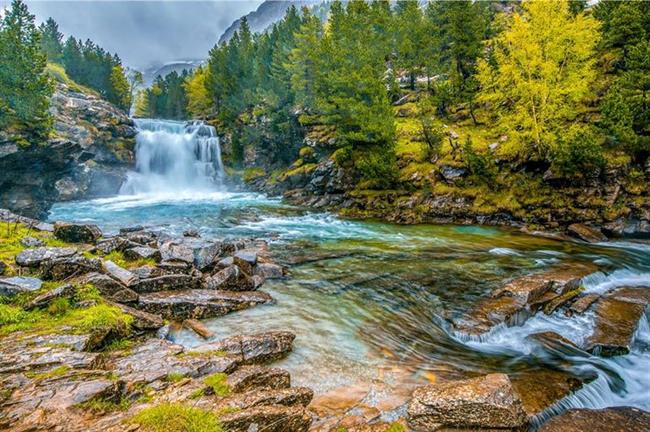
point(175, 157)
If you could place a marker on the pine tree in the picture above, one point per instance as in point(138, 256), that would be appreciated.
point(25, 89)
point(51, 40)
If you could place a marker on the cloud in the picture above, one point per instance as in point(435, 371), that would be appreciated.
point(145, 32)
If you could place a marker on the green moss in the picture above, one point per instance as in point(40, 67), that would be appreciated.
point(57, 72)
point(307, 152)
point(218, 383)
point(176, 417)
point(396, 427)
point(196, 394)
point(118, 258)
point(10, 235)
point(174, 377)
point(117, 345)
point(56, 372)
point(251, 174)
point(303, 169)
point(11, 315)
point(106, 405)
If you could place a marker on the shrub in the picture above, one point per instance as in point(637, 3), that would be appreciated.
point(377, 167)
point(217, 382)
point(176, 417)
point(10, 314)
point(478, 165)
point(578, 154)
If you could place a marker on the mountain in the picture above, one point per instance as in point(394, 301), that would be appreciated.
point(264, 16)
point(153, 71)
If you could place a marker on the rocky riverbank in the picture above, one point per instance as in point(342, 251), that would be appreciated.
point(88, 325)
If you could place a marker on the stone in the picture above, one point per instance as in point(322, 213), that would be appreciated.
point(231, 279)
point(141, 320)
point(199, 304)
point(205, 257)
point(191, 233)
point(617, 319)
point(258, 281)
point(142, 252)
point(166, 283)
point(31, 242)
point(225, 262)
point(245, 260)
point(253, 349)
point(552, 341)
point(10, 286)
point(34, 257)
point(295, 396)
point(247, 378)
point(452, 174)
point(176, 267)
point(271, 418)
point(109, 288)
point(67, 267)
point(199, 328)
point(172, 251)
point(147, 272)
point(485, 402)
point(3, 267)
point(586, 233)
point(77, 233)
point(120, 274)
point(269, 271)
point(540, 389)
point(131, 229)
point(616, 419)
point(582, 304)
point(43, 300)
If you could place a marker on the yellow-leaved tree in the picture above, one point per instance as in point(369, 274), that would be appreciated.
point(199, 103)
point(538, 71)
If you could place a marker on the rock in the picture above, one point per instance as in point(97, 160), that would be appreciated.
point(582, 304)
point(484, 402)
point(271, 418)
point(553, 342)
point(226, 262)
point(246, 261)
point(109, 288)
point(231, 279)
point(296, 396)
point(77, 233)
point(3, 267)
point(121, 275)
point(247, 378)
point(142, 252)
point(258, 281)
point(10, 286)
point(166, 283)
point(199, 304)
point(177, 267)
point(141, 320)
point(617, 318)
point(205, 257)
point(172, 251)
point(43, 300)
point(131, 229)
point(614, 419)
point(253, 349)
point(64, 268)
point(147, 272)
point(585, 233)
point(269, 271)
point(191, 233)
point(452, 174)
point(199, 328)
point(34, 257)
point(31, 242)
point(540, 389)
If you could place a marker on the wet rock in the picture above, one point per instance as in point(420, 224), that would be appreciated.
point(142, 252)
point(205, 257)
point(77, 233)
point(10, 286)
point(586, 233)
point(553, 341)
point(225, 262)
point(131, 229)
point(582, 304)
point(272, 418)
point(110, 288)
point(231, 279)
point(296, 396)
point(34, 257)
point(614, 419)
point(617, 318)
point(191, 233)
point(540, 389)
point(484, 402)
point(166, 283)
point(173, 251)
point(247, 378)
point(253, 349)
point(199, 328)
point(199, 304)
point(31, 242)
point(67, 267)
point(269, 271)
point(141, 320)
point(43, 300)
point(246, 261)
point(258, 281)
point(120, 274)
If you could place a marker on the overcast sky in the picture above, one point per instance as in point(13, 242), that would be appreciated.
point(145, 32)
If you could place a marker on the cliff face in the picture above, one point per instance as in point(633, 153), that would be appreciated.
point(87, 156)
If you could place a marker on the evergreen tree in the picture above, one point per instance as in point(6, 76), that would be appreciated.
point(409, 38)
point(199, 103)
point(25, 89)
point(51, 40)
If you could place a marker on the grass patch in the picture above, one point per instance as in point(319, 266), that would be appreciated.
point(119, 345)
point(118, 258)
point(10, 246)
point(103, 405)
point(176, 417)
point(58, 73)
point(56, 372)
point(217, 382)
point(251, 174)
point(174, 377)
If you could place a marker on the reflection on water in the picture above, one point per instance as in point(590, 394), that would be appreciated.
point(370, 301)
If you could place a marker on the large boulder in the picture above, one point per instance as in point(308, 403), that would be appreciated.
point(253, 349)
point(269, 271)
point(176, 252)
point(481, 403)
point(19, 284)
point(586, 233)
point(617, 318)
point(123, 276)
point(247, 378)
point(34, 257)
point(109, 287)
point(142, 252)
point(246, 260)
point(267, 418)
point(77, 233)
point(294, 396)
point(141, 320)
point(67, 267)
point(616, 419)
point(231, 278)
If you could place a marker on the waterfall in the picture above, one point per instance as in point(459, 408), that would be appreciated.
point(174, 156)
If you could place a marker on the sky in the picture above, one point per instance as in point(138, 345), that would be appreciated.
point(144, 33)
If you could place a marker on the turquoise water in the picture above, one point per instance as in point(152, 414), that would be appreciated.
point(370, 302)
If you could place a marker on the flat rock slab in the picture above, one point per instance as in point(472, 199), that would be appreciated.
point(43, 300)
point(617, 318)
point(484, 402)
point(34, 257)
point(295, 396)
point(582, 304)
point(617, 419)
point(253, 349)
point(122, 275)
point(272, 418)
point(248, 378)
point(67, 267)
point(539, 389)
point(142, 252)
point(12, 286)
point(200, 304)
point(174, 251)
point(141, 320)
point(586, 233)
point(166, 283)
point(110, 288)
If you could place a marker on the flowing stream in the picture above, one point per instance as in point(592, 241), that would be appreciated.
point(370, 302)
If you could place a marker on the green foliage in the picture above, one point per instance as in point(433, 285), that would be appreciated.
point(167, 98)
point(175, 417)
point(51, 40)
point(578, 153)
point(479, 165)
point(377, 168)
point(218, 383)
point(174, 377)
point(25, 89)
point(11, 314)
